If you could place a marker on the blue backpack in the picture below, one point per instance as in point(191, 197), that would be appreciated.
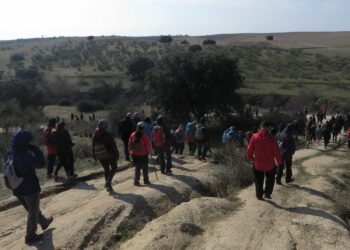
point(189, 128)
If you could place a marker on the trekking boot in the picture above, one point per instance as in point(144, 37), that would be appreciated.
point(109, 189)
point(49, 221)
point(278, 182)
point(267, 196)
point(169, 172)
point(136, 183)
point(29, 240)
point(290, 180)
point(147, 182)
point(260, 198)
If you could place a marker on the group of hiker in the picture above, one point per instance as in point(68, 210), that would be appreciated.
point(270, 149)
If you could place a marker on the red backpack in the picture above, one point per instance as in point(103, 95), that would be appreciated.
point(158, 136)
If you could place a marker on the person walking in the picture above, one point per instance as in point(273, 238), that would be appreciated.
point(202, 139)
point(26, 158)
point(105, 150)
point(65, 154)
point(264, 152)
point(326, 132)
point(161, 139)
point(190, 132)
point(48, 137)
point(140, 147)
point(180, 139)
point(287, 149)
point(126, 127)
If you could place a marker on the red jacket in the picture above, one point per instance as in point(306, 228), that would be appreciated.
point(145, 145)
point(51, 149)
point(263, 149)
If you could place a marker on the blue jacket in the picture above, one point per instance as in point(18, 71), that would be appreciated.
point(148, 130)
point(26, 157)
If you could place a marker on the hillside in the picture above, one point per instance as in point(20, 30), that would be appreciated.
point(318, 62)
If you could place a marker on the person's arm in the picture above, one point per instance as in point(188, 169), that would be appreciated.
point(276, 152)
point(39, 159)
point(250, 149)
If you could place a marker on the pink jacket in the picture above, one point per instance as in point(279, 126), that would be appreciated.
point(145, 144)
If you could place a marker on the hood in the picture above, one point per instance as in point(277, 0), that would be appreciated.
point(21, 138)
point(263, 134)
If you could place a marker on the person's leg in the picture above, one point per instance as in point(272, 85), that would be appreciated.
point(32, 202)
point(126, 149)
point(181, 148)
point(114, 166)
point(289, 173)
point(161, 159)
point(168, 159)
point(270, 182)
point(205, 150)
point(50, 163)
point(58, 167)
point(145, 169)
point(106, 169)
point(259, 183)
point(136, 160)
point(279, 173)
point(199, 150)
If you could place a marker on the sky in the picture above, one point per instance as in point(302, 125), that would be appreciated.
point(50, 18)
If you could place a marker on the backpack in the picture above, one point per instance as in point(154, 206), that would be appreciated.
point(189, 128)
point(101, 151)
point(158, 136)
point(11, 179)
point(282, 147)
point(199, 133)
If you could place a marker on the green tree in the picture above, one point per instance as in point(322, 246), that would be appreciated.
point(183, 82)
point(138, 66)
point(165, 39)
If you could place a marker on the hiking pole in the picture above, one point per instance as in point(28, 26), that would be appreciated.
point(155, 169)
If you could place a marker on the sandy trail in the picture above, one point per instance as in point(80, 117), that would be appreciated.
point(299, 216)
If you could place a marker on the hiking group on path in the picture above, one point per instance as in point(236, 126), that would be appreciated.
point(270, 150)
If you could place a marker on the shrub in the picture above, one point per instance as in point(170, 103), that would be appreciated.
point(195, 47)
point(64, 102)
point(165, 39)
point(209, 42)
point(234, 171)
point(89, 106)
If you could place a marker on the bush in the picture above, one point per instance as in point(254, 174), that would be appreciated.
point(234, 171)
point(165, 39)
point(89, 106)
point(65, 102)
point(209, 42)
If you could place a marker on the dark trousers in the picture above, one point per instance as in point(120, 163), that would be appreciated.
point(51, 158)
point(140, 162)
point(31, 203)
point(110, 168)
point(161, 151)
point(202, 149)
point(126, 149)
point(67, 161)
point(191, 148)
point(179, 149)
point(287, 162)
point(259, 182)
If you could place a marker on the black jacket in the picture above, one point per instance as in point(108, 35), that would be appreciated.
point(287, 139)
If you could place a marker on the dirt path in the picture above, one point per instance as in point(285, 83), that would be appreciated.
point(300, 215)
